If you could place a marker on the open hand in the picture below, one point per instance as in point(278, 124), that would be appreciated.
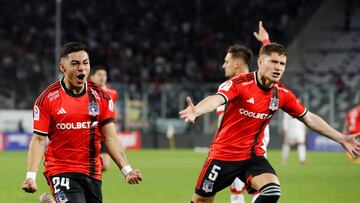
point(188, 114)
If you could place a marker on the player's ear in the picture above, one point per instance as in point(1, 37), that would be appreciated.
point(259, 61)
point(62, 68)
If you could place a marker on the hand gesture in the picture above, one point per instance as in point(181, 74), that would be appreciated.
point(133, 177)
point(29, 185)
point(263, 34)
point(352, 144)
point(188, 114)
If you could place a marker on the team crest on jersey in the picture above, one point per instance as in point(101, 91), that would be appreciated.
point(61, 197)
point(93, 109)
point(226, 85)
point(208, 186)
point(36, 113)
point(274, 104)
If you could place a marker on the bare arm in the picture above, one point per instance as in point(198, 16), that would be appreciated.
point(35, 154)
point(205, 106)
point(317, 124)
point(117, 153)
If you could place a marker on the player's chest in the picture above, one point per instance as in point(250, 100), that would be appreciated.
point(74, 109)
point(254, 100)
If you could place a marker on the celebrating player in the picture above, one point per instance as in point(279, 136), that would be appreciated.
point(251, 100)
point(76, 115)
point(236, 62)
point(98, 75)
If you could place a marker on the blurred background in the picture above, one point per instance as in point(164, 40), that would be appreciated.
point(158, 52)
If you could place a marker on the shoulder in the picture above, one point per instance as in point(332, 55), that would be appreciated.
point(244, 78)
point(282, 88)
point(51, 92)
point(97, 91)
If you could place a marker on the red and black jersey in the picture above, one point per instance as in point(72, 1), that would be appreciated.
point(353, 120)
point(72, 123)
point(112, 92)
point(248, 109)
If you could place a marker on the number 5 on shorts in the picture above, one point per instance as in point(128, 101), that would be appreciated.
point(62, 181)
point(214, 172)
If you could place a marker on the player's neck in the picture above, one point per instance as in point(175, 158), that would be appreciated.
point(76, 90)
point(263, 81)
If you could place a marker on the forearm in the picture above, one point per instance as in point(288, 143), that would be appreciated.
point(116, 151)
point(208, 104)
point(36, 152)
point(317, 124)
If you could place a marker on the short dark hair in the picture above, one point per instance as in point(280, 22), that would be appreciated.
point(239, 51)
point(268, 49)
point(96, 68)
point(72, 47)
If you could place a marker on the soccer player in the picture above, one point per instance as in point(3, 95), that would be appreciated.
point(236, 149)
point(237, 61)
point(294, 134)
point(352, 125)
point(98, 75)
point(76, 115)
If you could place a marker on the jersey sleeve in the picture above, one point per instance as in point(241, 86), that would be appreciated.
point(229, 90)
point(41, 117)
point(293, 106)
point(107, 114)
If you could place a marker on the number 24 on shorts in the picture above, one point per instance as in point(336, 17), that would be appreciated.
point(60, 181)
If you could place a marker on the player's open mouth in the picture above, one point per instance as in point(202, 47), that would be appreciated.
point(80, 77)
point(276, 75)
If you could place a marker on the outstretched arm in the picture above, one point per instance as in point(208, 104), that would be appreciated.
point(262, 36)
point(349, 142)
point(116, 152)
point(205, 106)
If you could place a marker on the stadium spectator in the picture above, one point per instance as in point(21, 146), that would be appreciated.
point(294, 134)
point(251, 101)
point(76, 115)
point(98, 75)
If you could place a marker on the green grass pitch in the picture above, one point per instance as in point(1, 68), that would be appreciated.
point(170, 176)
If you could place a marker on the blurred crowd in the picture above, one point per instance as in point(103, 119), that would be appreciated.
point(141, 41)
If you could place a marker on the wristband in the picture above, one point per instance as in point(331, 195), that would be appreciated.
point(265, 41)
point(31, 175)
point(126, 169)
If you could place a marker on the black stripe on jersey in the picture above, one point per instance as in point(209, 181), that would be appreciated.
point(44, 94)
point(40, 133)
point(102, 93)
point(106, 121)
point(244, 78)
point(260, 85)
point(263, 125)
point(92, 147)
point(226, 99)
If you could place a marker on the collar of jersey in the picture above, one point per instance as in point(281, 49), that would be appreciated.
point(259, 84)
point(69, 92)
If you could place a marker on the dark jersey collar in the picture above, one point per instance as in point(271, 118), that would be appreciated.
point(259, 84)
point(69, 92)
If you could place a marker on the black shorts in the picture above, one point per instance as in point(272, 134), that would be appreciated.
point(217, 175)
point(103, 147)
point(75, 187)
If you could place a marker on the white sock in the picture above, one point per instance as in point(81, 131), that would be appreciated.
point(285, 152)
point(302, 152)
point(237, 198)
